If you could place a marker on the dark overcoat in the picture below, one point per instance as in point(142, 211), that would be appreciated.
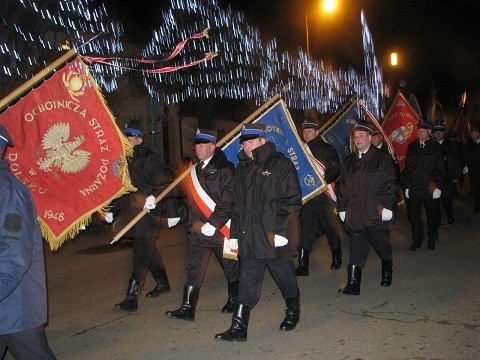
point(366, 186)
point(23, 295)
point(424, 168)
point(267, 201)
point(328, 156)
point(150, 175)
point(216, 178)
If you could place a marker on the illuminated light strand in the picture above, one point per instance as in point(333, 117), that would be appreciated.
point(302, 82)
point(246, 68)
point(71, 19)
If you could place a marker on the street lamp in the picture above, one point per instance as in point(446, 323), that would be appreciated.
point(328, 6)
point(391, 74)
point(393, 59)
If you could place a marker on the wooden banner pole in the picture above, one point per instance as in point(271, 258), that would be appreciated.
point(169, 188)
point(15, 94)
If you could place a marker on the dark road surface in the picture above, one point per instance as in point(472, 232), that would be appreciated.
point(431, 311)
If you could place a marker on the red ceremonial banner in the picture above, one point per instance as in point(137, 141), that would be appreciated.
point(400, 125)
point(67, 150)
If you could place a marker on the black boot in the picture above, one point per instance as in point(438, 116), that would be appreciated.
point(336, 259)
point(354, 280)
point(162, 286)
point(229, 307)
point(292, 314)
point(238, 330)
point(131, 301)
point(386, 272)
point(303, 262)
point(189, 304)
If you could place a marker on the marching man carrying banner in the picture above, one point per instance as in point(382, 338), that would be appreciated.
point(280, 129)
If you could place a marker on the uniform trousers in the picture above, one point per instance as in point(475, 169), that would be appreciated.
point(360, 243)
point(198, 257)
point(251, 279)
point(146, 256)
point(314, 214)
point(414, 211)
point(475, 187)
point(27, 345)
point(446, 199)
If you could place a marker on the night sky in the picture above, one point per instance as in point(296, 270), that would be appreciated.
point(438, 44)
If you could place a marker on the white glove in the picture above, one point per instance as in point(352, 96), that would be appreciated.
point(233, 244)
point(280, 241)
point(406, 194)
point(387, 214)
point(341, 214)
point(109, 217)
point(149, 203)
point(436, 193)
point(173, 221)
point(465, 170)
point(208, 229)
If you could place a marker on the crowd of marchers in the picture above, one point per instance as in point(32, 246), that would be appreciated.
point(253, 211)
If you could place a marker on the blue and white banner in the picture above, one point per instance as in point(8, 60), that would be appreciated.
point(280, 129)
point(337, 133)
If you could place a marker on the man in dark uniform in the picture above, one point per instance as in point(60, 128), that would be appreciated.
point(472, 157)
point(453, 169)
point(319, 211)
point(377, 140)
point(266, 203)
point(379, 143)
point(424, 176)
point(367, 195)
point(23, 293)
point(149, 174)
point(209, 200)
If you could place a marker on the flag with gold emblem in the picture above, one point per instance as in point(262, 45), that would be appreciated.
point(68, 150)
point(400, 126)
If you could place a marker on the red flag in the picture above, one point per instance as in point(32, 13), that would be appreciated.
point(400, 125)
point(68, 151)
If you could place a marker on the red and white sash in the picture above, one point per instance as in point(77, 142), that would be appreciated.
point(203, 201)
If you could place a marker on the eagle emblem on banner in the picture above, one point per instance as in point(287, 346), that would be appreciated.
point(62, 153)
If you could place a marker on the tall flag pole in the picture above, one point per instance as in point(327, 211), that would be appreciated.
point(391, 150)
